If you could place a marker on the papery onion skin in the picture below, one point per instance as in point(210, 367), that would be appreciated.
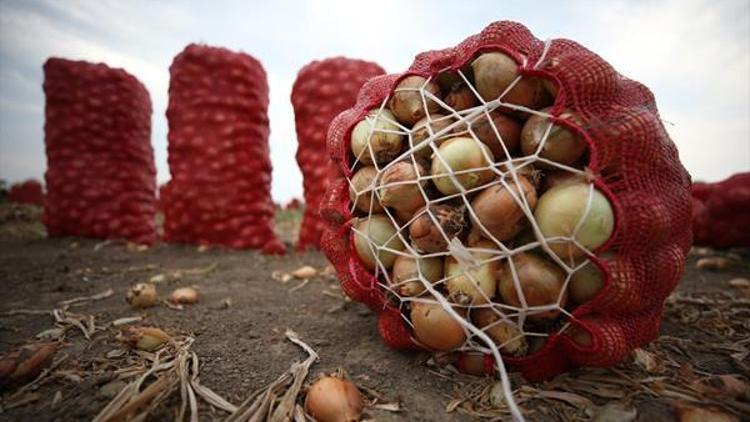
point(541, 281)
point(480, 286)
point(435, 328)
point(559, 211)
point(508, 128)
point(408, 106)
point(331, 399)
point(426, 236)
point(394, 193)
point(405, 278)
point(420, 133)
point(362, 184)
point(503, 333)
point(385, 146)
point(461, 153)
point(379, 229)
point(562, 146)
point(499, 213)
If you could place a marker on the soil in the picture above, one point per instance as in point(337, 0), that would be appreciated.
point(239, 326)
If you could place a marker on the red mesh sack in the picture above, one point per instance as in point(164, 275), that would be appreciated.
point(720, 212)
point(101, 178)
point(626, 162)
point(28, 192)
point(323, 89)
point(220, 190)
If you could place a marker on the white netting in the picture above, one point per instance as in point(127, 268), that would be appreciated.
point(508, 174)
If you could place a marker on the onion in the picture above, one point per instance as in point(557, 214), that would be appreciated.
point(332, 399)
point(385, 146)
point(461, 154)
point(562, 145)
point(503, 333)
point(378, 229)
point(142, 295)
point(580, 336)
point(508, 128)
point(435, 327)
point(473, 363)
point(361, 190)
point(184, 295)
point(407, 105)
point(541, 282)
point(399, 188)
point(144, 338)
point(474, 285)
point(420, 133)
point(561, 177)
point(560, 211)
point(493, 74)
point(405, 279)
point(586, 283)
point(499, 213)
point(426, 236)
point(460, 98)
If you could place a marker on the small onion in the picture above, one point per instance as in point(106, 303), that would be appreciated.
point(559, 212)
point(361, 190)
point(474, 363)
point(378, 229)
point(503, 333)
point(562, 145)
point(499, 213)
point(475, 285)
point(144, 338)
point(399, 188)
point(407, 105)
point(384, 146)
point(508, 128)
point(586, 283)
point(493, 74)
point(554, 178)
point(426, 236)
point(461, 154)
point(460, 98)
point(435, 327)
point(332, 399)
point(142, 295)
point(405, 279)
point(420, 133)
point(184, 295)
point(541, 282)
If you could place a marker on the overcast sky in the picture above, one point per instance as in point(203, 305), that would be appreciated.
point(694, 55)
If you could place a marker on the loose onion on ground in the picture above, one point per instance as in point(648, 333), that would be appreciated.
point(142, 295)
point(541, 282)
point(405, 279)
point(361, 190)
point(499, 213)
point(400, 188)
point(184, 295)
point(473, 285)
point(426, 236)
point(332, 399)
point(407, 103)
point(461, 154)
point(381, 233)
point(384, 143)
point(435, 327)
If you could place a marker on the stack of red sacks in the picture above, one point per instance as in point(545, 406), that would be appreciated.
point(101, 178)
point(721, 212)
point(29, 192)
point(323, 89)
point(220, 191)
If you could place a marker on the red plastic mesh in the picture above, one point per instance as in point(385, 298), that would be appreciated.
point(220, 191)
point(720, 212)
point(27, 192)
point(323, 89)
point(637, 167)
point(100, 167)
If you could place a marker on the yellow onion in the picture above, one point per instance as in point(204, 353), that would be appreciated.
point(508, 128)
point(26, 363)
point(407, 105)
point(399, 188)
point(361, 190)
point(332, 399)
point(420, 133)
point(384, 146)
point(472, 285)
point(499, 213)
point(426, 236)
point(586, 283)
point(144, 338)
point(541, 282)
point(460, 98)
point(184, 295)
point(142, 295)
point(405, 279)
point(493, 74)
point(554, 178)
point(378, 229)
point(472, 363)
point(435, 328)
point(562, 145)
point(562, 209)
point(503, 333)
point(461, 154)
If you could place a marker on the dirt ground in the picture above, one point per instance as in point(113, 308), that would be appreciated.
point(244, 310)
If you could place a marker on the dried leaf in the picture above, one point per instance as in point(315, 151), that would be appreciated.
point(126, 320)
point(453, 404)
point(388, 407)
point(646, 360)
point(159, 278)
point(615, 412)
point(570, 398)
point(686, 412)
point(715, 263)
point(304, 272)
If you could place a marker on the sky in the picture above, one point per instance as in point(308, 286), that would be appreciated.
point(693, 54)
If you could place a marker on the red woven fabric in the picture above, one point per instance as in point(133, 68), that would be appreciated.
point(323, 89)
point(220, 191)
point(28, 192)
point(100, 166)
point(720, 212)
point(638, 169)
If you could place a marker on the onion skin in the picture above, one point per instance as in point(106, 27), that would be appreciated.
point(436, 328)
point(332, 399)
point(460, 98)
point(541, 282)
point(420, 133)
point(502, 333)
point(402, 197)
point(493, 74)
point(426, 236)
point(460, 154)
point(465, 291)
point(562, 145)
point(509, 129)
point(407, 106)
point(405, 278)
point(499, 213)
point(362, 183)
point(379, 229)
point(385, 146)
point(559, 211)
